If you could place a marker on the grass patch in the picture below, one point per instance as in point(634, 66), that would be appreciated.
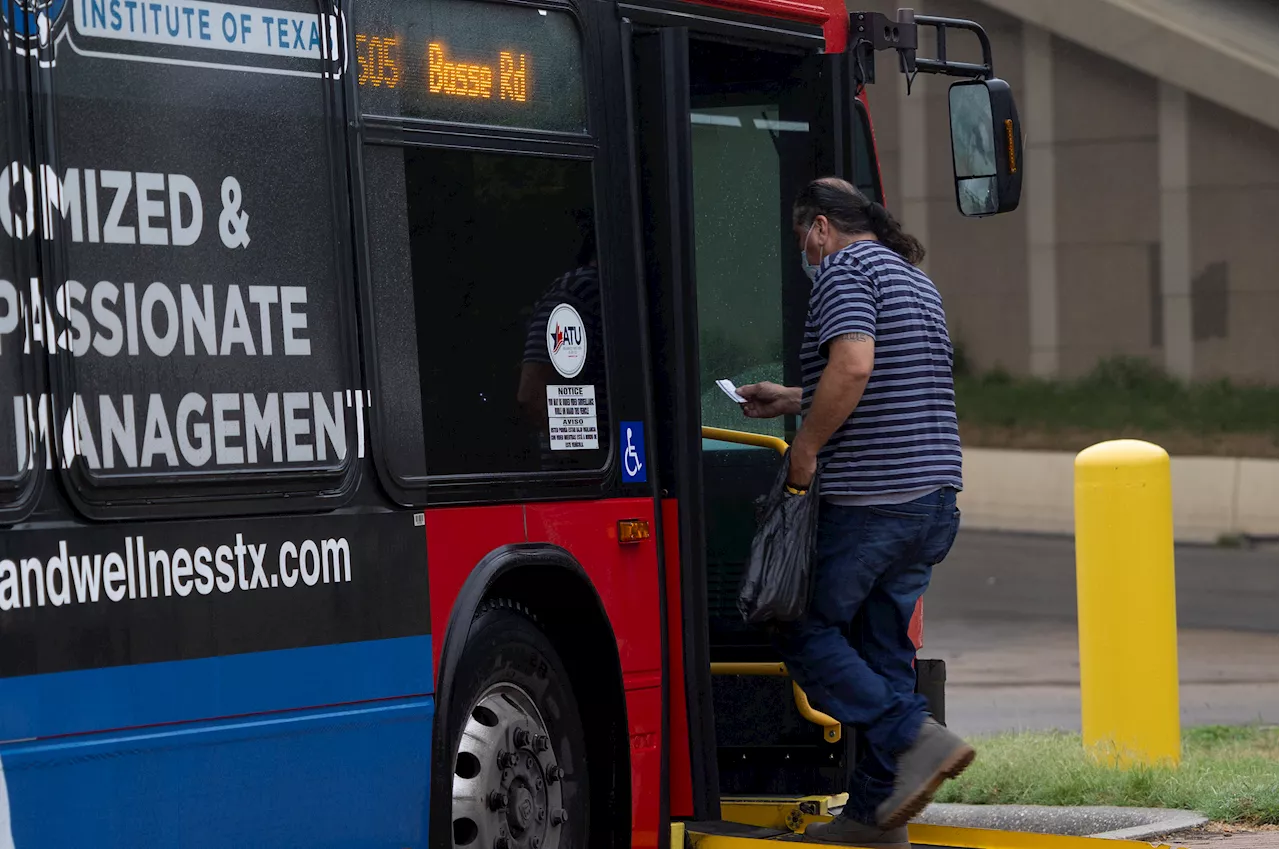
point(1119, 398)
point(1229, 774)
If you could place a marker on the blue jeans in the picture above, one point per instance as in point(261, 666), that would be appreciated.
point(851, 653)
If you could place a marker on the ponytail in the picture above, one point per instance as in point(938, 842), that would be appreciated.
point(892, 236)
point(852, 212)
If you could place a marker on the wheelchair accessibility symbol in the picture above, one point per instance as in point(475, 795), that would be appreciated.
point(633, 459)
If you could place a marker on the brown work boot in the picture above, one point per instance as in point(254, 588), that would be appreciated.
point(936, 755)
point(844, 831)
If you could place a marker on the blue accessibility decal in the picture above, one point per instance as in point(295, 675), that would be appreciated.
point(634, 469)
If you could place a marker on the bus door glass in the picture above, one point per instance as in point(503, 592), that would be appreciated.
point(753, 126)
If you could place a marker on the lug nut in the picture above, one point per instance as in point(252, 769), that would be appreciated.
point(558, 816)
point(554, 774)
point(535, 842)
point(521, 738)
point(541, 743)
point(542, 814)
point(507, 760)
point(501, 843)
point(497, 800)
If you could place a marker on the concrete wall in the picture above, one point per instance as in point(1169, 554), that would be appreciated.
point(978, 266)
point(1033, 492)
point(1107, 205)
point(1233, 190)
point(1148, 221)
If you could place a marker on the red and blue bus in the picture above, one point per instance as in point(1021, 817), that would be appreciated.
point(356, 358)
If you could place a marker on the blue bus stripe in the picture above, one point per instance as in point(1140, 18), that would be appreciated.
point(90, 700)
point(354, 776)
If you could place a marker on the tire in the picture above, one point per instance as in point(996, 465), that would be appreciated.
point(519, 771)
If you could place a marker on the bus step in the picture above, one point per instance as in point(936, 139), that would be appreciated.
point(752, 820)
point(728, 835)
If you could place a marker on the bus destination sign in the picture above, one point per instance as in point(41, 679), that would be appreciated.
point(521, 68)
point(381, 65)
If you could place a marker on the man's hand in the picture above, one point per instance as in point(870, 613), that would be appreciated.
point(769, 400)
point(803, 467)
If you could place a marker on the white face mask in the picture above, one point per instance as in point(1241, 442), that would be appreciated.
point(810, 270)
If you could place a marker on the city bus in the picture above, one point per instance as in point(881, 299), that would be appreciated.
point(357, 358)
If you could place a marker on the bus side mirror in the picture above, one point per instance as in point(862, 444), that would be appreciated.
point(986, 147)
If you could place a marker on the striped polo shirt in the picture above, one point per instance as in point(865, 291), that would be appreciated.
point(901, 441)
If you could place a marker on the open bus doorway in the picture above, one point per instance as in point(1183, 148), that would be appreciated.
point(727, 135)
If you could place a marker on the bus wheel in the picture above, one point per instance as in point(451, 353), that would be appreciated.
point(520, 766)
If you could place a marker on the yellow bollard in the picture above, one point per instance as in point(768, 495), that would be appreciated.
point(1127, 617)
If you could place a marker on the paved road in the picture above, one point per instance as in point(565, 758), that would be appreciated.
point(1218, 838)
point(1001, 612)
point(1024, 576)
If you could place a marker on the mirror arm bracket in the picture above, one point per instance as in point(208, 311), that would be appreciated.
point(870, 32)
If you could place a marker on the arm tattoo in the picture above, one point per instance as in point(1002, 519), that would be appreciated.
point(853, 337)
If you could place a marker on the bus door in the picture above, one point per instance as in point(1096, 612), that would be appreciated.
point(730, 122)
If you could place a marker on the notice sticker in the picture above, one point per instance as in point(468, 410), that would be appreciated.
point(567, 341)
point(571, 417)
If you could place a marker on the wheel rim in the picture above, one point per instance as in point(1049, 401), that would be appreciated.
point(507, 787)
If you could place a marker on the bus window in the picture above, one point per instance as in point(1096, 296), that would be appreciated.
point(487, 312)
point(483, 275)
point(202, 306)
point(18, 461)
point(865, 174)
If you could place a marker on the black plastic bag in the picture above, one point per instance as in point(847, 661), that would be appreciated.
point(777, 580)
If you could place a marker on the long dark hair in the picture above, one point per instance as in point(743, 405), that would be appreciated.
point(850, 211)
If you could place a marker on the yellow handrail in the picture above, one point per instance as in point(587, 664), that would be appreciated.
point(759, 440)
point(830, 726)
point(771, 670)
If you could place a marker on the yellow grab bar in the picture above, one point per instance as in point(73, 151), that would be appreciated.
point(830, 726)
point(772, 670)
point(759, 440)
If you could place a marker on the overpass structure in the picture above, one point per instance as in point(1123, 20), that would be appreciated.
point(1221, 50)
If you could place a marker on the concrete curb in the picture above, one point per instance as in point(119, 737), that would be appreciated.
point(1104, 822)
point(1178, 821)
point(1033, 492)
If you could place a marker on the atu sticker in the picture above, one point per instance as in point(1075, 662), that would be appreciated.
point(566, 341)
